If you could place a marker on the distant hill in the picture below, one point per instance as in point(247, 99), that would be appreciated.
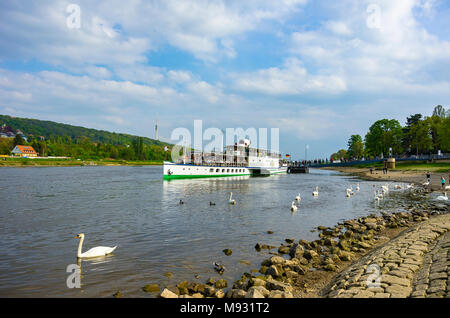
point(49, 128)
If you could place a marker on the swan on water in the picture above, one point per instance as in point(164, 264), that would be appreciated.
point(347, 194)
point(231, 201)
point(298, 198)
point(443, 197)
point(380, 195)
point(316, 193)
point(357, 187)
point(93, 252)
point(376, 198)
point(293, 207)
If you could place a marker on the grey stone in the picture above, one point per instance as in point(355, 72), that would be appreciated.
point(253, 293)
point(276, 285)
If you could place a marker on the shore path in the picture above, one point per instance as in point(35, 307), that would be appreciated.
point(414, 264)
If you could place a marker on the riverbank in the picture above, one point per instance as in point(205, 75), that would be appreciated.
point(414, 264)
point(27, 162)
point(417, 177)
point(330, 265)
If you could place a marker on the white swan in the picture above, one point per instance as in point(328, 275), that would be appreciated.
point(357, 187)
point(426, 183)
point(380, 195)
point(316, 193)
point(349, 189)
point(93, 252)
point(443, 197)
point(298, 198)
point(231, 201)
point(347, 194)
point(293, 207)
point(376, 197)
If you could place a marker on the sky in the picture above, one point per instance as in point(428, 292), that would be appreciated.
point(319, 71)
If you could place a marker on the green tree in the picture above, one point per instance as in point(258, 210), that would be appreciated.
point(138, 147)
point(341, 154)
point(6, 145)
point(406, 140)
point(355, 147)
point(439, 111)
point(18, 140)
point(419, 134)
point(444, 135)
point(382, 135)
point(435, 123)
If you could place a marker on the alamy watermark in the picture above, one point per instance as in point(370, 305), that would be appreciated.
point(237, 140)
point(373, 20)
point(374, 279)
point(74, 279)
point(73, 21)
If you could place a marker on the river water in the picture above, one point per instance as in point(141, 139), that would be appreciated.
point(42, 209)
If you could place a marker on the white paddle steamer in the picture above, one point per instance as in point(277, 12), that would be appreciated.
point(237, 160)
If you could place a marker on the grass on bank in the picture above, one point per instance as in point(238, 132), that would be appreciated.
point(23, 162)
point(411, 166)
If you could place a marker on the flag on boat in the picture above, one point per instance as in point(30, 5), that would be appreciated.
point(288, 156)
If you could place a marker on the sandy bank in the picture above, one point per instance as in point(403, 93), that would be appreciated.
point(416, 177)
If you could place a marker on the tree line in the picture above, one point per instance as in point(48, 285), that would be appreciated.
point(84, 148)
point(386, 137)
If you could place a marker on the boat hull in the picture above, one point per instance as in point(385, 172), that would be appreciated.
point(188, 171)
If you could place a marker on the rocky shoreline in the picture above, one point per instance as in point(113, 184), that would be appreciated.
point(398, 269)
point(335, 264)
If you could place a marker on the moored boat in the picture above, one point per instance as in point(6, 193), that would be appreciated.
point(237, 160)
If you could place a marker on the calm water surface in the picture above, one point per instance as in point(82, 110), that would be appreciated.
point(42, 209)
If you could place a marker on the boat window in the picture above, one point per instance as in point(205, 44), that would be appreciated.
point(223, 170)
point(217, 170)
point(211, 170)
point(228, 170)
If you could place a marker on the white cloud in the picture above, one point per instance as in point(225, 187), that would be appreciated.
point(206, 91)
point(393, 58)
point(140, 73)
point(338, 27)
point(112, 32)
point(39, 30)
point(311, 123)
point(291, 79)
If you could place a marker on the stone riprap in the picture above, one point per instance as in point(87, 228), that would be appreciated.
point(387, 268)
point(432, 279)
point(414, 264)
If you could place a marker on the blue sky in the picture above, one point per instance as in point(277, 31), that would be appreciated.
point(317, 70)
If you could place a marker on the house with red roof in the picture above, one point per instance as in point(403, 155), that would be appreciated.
point(24, 151)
